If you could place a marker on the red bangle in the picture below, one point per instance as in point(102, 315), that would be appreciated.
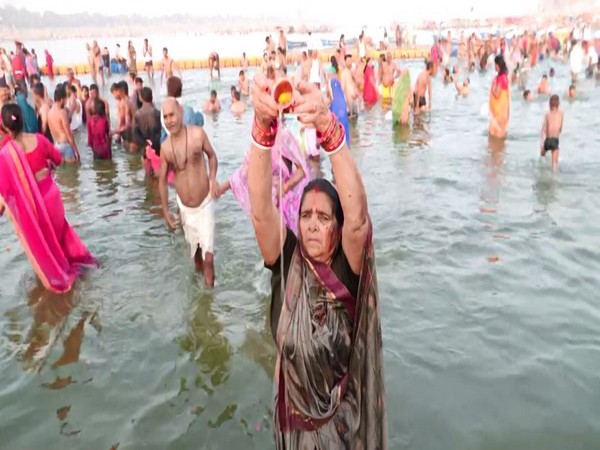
point(322, 137)
point(264, 139)
point(335, 142)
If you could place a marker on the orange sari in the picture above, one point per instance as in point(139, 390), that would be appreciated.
point(499, 107)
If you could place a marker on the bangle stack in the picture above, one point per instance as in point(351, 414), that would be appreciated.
point(261, 138)
point(334, 137)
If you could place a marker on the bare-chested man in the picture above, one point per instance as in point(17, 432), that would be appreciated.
point(551, 129)
point(148, 64)
point(212, 105)
point(238, 107)
point(245, 62)
point(423, 88)
point(544, 86)
point(72, 81)
point(42, 107)
point(243, 84)
point(125, 114)
point(214, 63)
point(60, 127)
point(184, 151)
point(98, 61)
point(167, 66)
point(349, 86)
point(95, 95)
point(389, 69)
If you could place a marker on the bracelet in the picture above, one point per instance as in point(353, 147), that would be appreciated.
point(323, 137)
point(335, 140)
point(263, 139)
point(336, 150)
point(260, 146)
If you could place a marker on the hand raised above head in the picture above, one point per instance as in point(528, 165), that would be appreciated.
point(265, 108)
point(311, 107)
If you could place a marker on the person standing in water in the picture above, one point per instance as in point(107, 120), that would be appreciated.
point(148, 64)
point(214, 64)
point(551, 129)
point(499, 102)
point(422, 88)
point(60, 127)
point(167, 66)
point(184, 150)
point(329, 388)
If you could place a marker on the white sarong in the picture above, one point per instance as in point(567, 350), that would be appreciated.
point(199, 225)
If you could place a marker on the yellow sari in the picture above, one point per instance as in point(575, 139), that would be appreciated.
point(499, 108)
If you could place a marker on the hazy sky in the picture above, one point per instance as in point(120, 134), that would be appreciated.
point(393, 10)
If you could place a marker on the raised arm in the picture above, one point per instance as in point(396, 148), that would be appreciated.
point(353, 198)
point(269, 229)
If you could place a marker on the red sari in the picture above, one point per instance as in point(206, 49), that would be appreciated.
point(54, 249)
point(370, 95)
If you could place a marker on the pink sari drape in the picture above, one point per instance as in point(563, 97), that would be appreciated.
point(54, 249)
point(287, 147)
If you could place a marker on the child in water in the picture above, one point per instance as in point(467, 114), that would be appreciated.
point(551, 129)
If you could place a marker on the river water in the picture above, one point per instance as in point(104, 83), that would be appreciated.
point(487, 265)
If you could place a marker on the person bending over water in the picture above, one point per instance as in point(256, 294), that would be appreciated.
point(34, 204)
point(60, 127)
point(329, 383)
point(551, 129)
point(184, 151)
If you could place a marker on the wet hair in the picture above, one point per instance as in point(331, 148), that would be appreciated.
point(114, 87)
point(554, 101)
point(99, 108)
point(94, 87)
point(60, 93)
point(233, 88)
point(72, 89)
point(146, 94)
point(552, 71)
point(572, 87)
point(12, 118)
point(526, 93)
point(241, 72)
point(165, 49)
point(213, 93)
point(322, 185)
point(237, 95)
point(545, 77)
point(347, 57)
point(85, 89)
point(174, 87)
point(429, 65)
point(38, 90)
point(138, 80)
point(35, 77)
point(334, 64)
point(123, 86)
point(499, 61)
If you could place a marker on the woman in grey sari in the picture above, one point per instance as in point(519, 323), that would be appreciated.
point(328, 385)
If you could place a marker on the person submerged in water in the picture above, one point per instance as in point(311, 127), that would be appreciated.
point(551, 129)
point(423, 88)
point(527, 95)
point(572, 92)
point(544, 86)
point(462, 89)
point(184, 150)
point(212, 105)
point(238, 107)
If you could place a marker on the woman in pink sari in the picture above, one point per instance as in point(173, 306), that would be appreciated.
point(290, 172)
point(34, 204)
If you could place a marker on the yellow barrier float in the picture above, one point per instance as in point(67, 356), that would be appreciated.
point(253, 61)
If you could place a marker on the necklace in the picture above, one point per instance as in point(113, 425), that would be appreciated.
point(186, 152)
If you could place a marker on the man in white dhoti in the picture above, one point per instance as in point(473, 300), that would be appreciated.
point(184, 151)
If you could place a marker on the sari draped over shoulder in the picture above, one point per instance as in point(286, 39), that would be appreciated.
point(329, 388)
point(286, 146)
point(500, 108)
point(54, 249)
